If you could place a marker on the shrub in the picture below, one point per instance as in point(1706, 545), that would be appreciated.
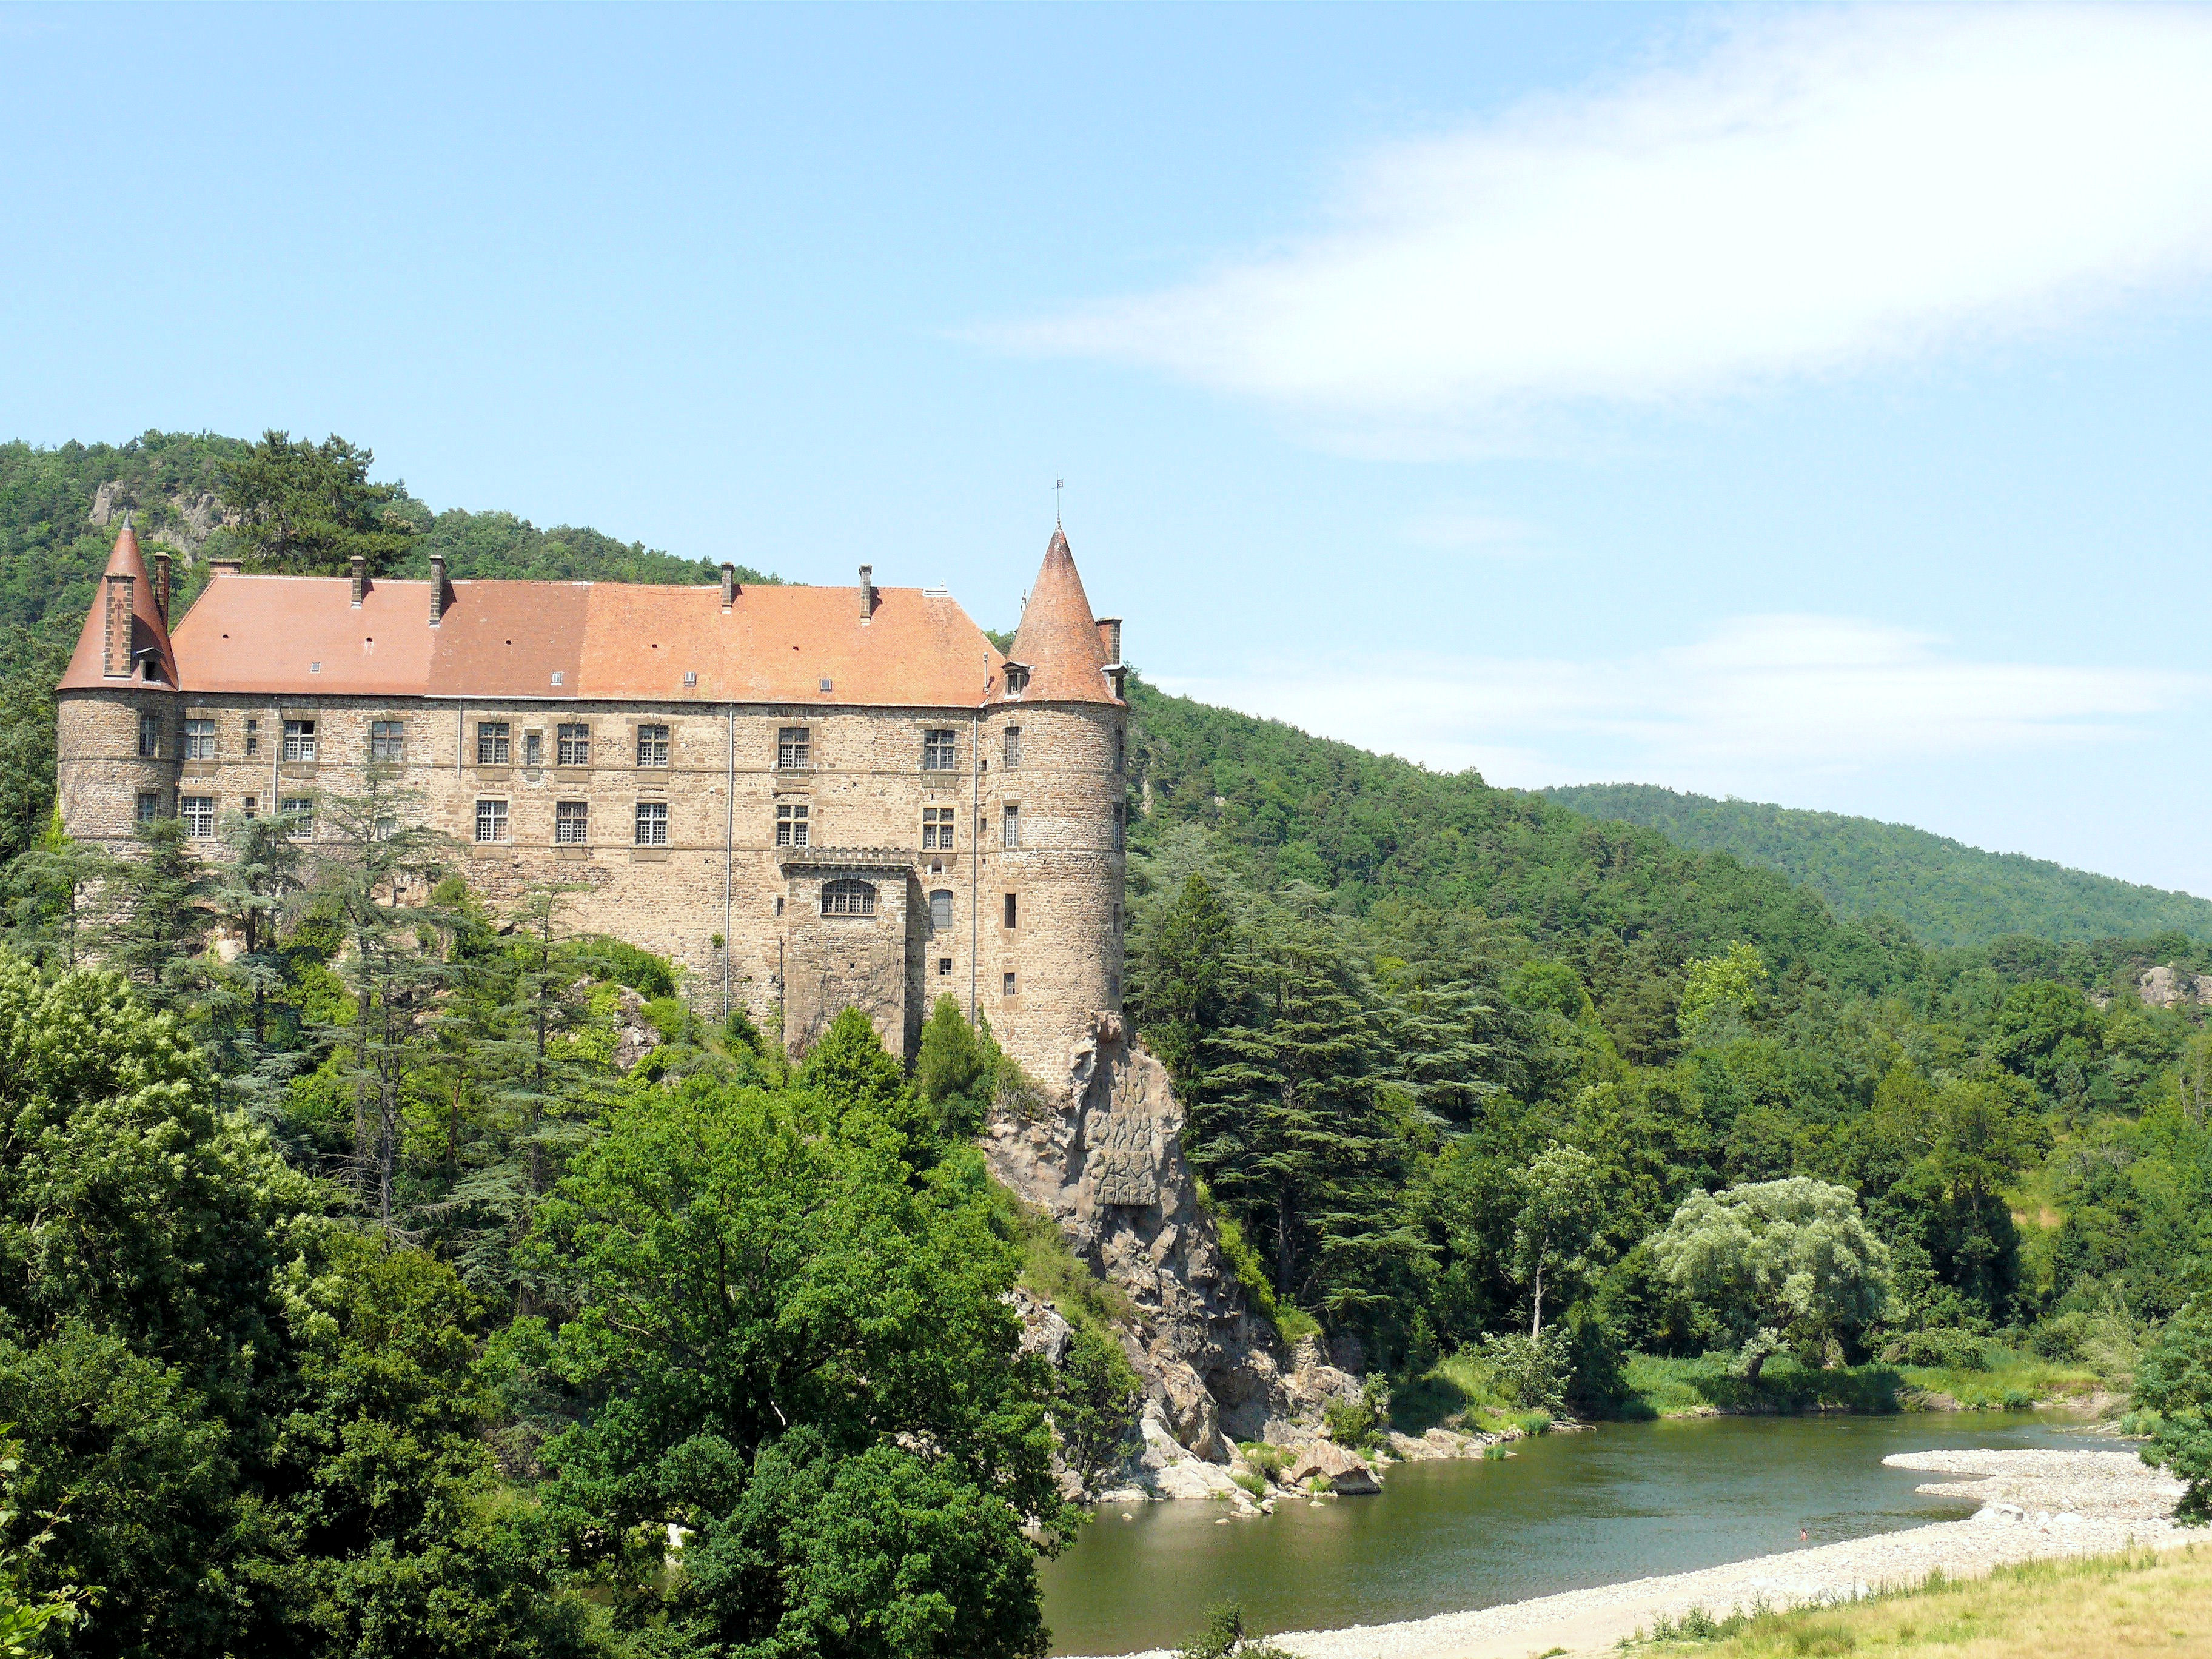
point(1093, 1401)
point(1940, 1349)
point(2175, 1381)
point(1532, 1369)
point(1350, 1423)
point(1224, 1636)
point(1269, 1460)
point(2062, 1337)
point(647, 974)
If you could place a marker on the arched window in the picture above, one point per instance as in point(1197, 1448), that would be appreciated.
point(847, 898)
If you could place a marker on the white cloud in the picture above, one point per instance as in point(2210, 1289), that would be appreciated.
point(1758, 697)
point(1816, 191)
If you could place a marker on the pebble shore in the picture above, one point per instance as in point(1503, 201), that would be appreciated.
point(2034, 1503)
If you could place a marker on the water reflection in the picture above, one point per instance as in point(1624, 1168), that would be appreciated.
point(1620, 1501)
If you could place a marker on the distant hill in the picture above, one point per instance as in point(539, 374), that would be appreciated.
point(1947, 892)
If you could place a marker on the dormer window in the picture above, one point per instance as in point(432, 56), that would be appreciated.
point(1018, 678)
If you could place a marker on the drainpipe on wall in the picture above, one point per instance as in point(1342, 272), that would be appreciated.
point(729, 846)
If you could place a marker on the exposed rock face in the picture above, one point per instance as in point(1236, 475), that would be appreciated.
point(1346, 1471)
point(184, 522)
point(2165, 986)
point(1105, 1160)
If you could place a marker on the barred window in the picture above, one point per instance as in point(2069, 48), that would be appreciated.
point(652, 745)
point(574, 746)
point(1006, 983)
point(252, 737)
point(847, 898)
point(790, 824)
point(148, 806)
point(572, 822)
point(252, 807)
point(1120, 828)
point(149, 735)
point(533, 749)
point(1010, 831)
point(300, 810)
point(795, 749)
point(941, 910)
point(387, 740)
point(1017, 679)
point(936, 829)
point(1014, 746)
point(653, 823)
point(494, 743)
point(199, 739)
point(491, 820)
point(944, 965)
point(1120, 750)
point(198, 814)
point(940, 751)
point(299, 740)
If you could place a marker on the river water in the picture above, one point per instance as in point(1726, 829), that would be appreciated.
point(1620, 1501)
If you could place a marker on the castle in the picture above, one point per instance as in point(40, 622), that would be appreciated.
point(812, 798)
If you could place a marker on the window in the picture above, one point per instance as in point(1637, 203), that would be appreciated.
point(533, 749)
point(198, 814)
point(1007, 984)
point(573, 746)
point(1014, 746)
point(572, 822)
point(150, 806)
point(847, 898)
point(790, 824)
point(690, 679)
point(1113, 987)
point(1121, 749)
point(149, 736)
point(1013, 911)
point(252, 807)
point(1017, 679)
point(301, 809)
point(1121, 832)
point(940, 751)
point(940, 911)
point(943, 965)
point(652, 745)
point(385, 828)
point(299, 740)
point(491, 820)
point(199, 739)
point(653, 823)
point(795, 748)
point(253, 737)
point(387, 740)
point(494, 743)
point(1117, 918)
point(936, 829)
point(1009, 832)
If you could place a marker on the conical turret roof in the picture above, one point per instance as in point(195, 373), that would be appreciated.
point(1059, 640)
point(148, 632)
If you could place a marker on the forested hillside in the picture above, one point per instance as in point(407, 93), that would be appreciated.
point(1945, 891)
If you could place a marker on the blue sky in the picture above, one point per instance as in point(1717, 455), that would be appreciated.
point(1805, 403)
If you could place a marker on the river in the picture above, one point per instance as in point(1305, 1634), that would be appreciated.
point(1620, 1501)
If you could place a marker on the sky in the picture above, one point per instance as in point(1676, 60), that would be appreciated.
point(1805, 403)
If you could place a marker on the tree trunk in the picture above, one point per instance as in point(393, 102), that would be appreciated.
point(1282, 1247)
point(1758, 1360)
point(1536, 1306)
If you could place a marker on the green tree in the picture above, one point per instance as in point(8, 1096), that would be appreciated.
point(309, 509)
point(1776, 1262)
point(803, 1358)
point(161, 888)
point(1558, 1218)
point(1180, 992)
point(2174, 1379)
point(1719, 988)
point(48, 890)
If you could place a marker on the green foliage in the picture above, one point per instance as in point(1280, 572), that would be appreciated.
point(309, 509)
point(1776, 1261)
point(1720, 988)
point(1350, 1423)
point(1094, 1402)
point(1224, 1635)
point(2175, 1381)
point(1941, 1349)
point(1944, 891)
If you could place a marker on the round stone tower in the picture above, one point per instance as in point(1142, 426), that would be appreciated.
point(1053, 834)
point(120, 734)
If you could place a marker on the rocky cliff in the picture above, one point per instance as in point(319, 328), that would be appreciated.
point(1102, 1156)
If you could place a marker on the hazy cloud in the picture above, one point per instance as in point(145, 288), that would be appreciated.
point(1757, 696)
point(1807, 193)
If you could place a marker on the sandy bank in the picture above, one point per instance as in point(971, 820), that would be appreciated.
point(2033, 1503)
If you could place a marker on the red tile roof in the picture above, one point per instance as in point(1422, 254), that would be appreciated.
point(1059, 638)
point(276, 635)
point(148, 631)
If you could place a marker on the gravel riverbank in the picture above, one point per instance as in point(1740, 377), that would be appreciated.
point(2033, 1503)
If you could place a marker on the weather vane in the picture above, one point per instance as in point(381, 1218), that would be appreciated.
point(1059, 484)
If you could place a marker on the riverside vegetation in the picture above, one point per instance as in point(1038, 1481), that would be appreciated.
point(371, 1291)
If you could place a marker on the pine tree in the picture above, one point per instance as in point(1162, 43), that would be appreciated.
point(1181, 992)
point(162, 927)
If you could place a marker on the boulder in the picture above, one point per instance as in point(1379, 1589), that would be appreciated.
point(1347, 1472)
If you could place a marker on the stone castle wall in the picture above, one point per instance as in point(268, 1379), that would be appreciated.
point(719, 873)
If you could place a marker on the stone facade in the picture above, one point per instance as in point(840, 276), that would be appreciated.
point(873, 867)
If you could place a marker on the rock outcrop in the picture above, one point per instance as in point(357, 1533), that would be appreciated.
point(1102, 1154)
point(2166, 987)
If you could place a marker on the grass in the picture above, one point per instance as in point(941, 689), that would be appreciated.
point(1677, 1388)
point(2136, 1603)
point(1460, 1390)
point(1055, 1274)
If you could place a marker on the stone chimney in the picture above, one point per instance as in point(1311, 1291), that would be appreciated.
point(359, 579)
point(1109, 635)
point(729, 584)
point(225, 566)
point(437, 588)
point(161, 585)
point(867, 591)
point(122, 601)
